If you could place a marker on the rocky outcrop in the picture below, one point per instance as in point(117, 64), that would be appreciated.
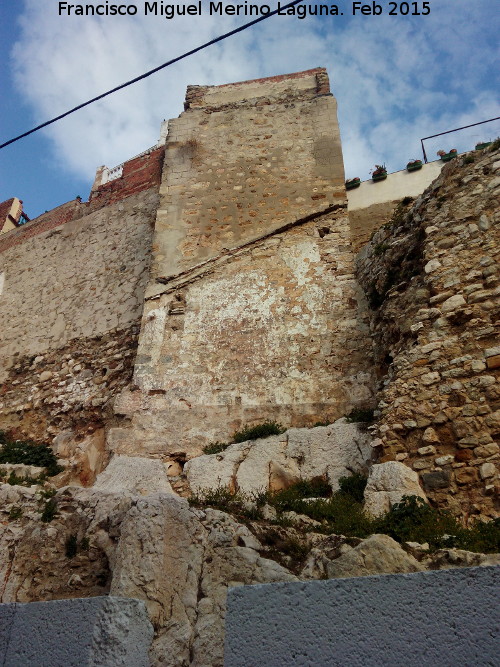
point(273, 463)
point(387, 485)
point(178, 559)
point(431, 276)
point(155, 548)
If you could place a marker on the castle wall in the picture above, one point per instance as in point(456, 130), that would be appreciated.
point(251, 306)
point(432, 280)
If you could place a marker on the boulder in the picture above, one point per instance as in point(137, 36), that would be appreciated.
point(378, 554)
point(387, 484)
point(276, 462)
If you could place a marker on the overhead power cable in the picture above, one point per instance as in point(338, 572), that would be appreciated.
point(151, 71)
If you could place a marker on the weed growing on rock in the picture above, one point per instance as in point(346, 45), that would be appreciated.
point(215, 447)
point(342, 513)
point(380, 248)
point(84, 544)
point(413, 520)
point(221, 498)
point(483, 537)
point(495, 145)
point(47, 493)
point(263, 430)
point(291, 547)
point(14, 480)
point(399, 213)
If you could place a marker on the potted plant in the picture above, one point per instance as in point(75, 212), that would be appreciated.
point(414, 165)
point(480, 146)
point(447, 156)
point(352, 183)
point(379, 173)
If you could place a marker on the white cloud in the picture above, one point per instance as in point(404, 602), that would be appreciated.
point(395, 78)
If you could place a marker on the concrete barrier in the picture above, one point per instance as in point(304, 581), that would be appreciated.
point(84, 632)
point(445, 618)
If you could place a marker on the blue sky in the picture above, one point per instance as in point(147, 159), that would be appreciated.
point(396, 79)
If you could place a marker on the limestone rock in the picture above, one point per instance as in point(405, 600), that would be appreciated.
point(387, 484)
point(335, 451)
point(378, 554)
point(134, 475)
point(180, 561)
point(443, 559)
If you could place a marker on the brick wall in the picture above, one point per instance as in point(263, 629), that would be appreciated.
point(139, 174)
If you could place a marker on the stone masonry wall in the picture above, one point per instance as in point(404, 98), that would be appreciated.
point(433, 285)
point(71, 304)
point(251, 308)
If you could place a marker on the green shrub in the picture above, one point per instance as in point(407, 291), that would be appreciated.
point(18, 451)
point(15, 513)
point(354, 486)
point(292, 498)
point(413, 520)
point(48, 493)
point(343, 516)
point(260, 431)
point(468, 159)
point(14, 480)
point(49, 510)
point(483, 537)
point(360, 415)
point(340, 513)
point(71, 546)
point(215, 447)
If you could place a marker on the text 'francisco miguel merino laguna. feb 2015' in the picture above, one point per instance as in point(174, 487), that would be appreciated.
point(300, 11)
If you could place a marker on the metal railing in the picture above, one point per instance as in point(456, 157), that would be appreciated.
point(432, 136)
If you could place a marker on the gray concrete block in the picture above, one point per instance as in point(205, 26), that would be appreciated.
point(93, 632)
point(445, 618)
point(7, 613)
